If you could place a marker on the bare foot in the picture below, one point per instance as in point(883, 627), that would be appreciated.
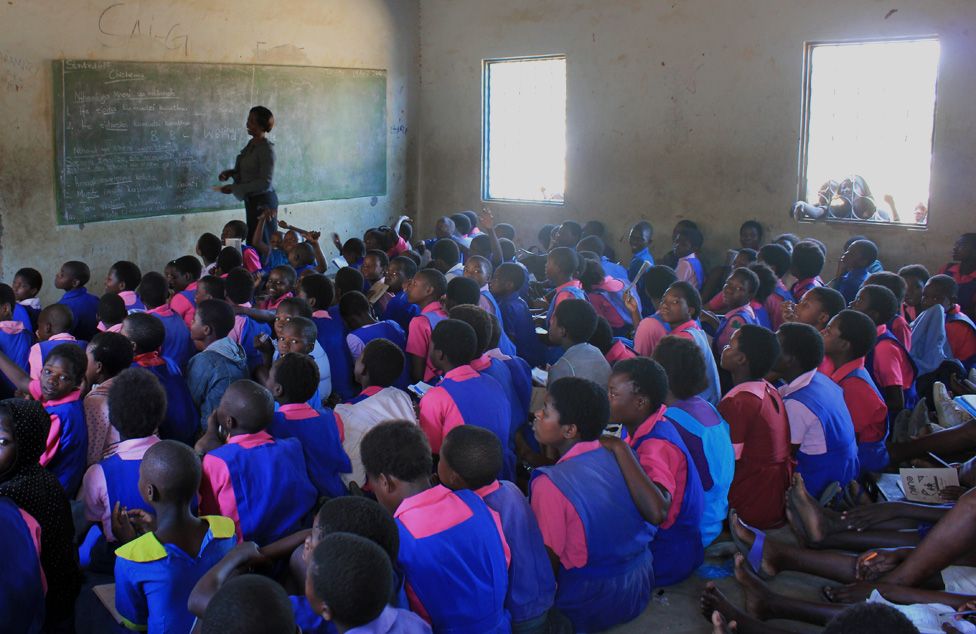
point(717, 609)
point(807, 511)
point(770, 547)
point(756, 592)
point(850, 593)
point(719, 626)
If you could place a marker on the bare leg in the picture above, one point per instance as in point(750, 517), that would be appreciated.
point(943, 443)
point(762, 603)
point(732, 618)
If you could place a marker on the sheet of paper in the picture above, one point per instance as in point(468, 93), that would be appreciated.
point(926, 616)
point(233, 242)
point(376, 291)
point(340, 262)
point(540, 376)
point(419, 388)
point(924, 485)
point(968, 403)
point(539, 330)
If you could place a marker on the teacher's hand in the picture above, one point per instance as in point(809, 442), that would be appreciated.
point(225, 175)
point(227, 189)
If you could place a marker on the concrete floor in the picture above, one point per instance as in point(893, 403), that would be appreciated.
point(675, 609)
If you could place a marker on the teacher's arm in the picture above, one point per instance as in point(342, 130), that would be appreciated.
point(263, 172)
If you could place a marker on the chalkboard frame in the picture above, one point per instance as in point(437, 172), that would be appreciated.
point(58, 114)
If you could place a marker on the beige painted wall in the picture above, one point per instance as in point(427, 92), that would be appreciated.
point(685, 109)
point(340, 33)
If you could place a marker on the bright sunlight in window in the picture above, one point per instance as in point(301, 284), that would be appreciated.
point(870, 113)
point(525, 130)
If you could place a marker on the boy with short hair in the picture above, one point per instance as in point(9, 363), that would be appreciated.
point(426, 290)
point(960, 331)
point(915, 276)
point(209, 287)
point(219, 361)
point(123, 279)
point(155, 572)
point(506, 282)
point(848, 338)
point(820, 424)
point(72, 278)
point(208, 248)
point(806, 264)
point(759, 429)
point(183, 282)
point(239, 289)
point(852, 269)
point(249, 255)
point(318, 291)
point(687, 244)
point(640, 240)
point(244, 463)
point(153, 290)
point(889, 364)
point(570, 328)
point(466, 538)
point(53, 328)
point(446, 258)
point(398, 275)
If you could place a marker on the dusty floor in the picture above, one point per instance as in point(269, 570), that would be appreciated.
point(675, 610)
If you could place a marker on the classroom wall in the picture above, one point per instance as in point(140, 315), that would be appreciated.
point(685, 109)
point(340, 33)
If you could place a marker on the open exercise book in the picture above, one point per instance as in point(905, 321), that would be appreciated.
point(927, 617)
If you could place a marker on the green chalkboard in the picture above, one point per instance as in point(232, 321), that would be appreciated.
point(139, 139)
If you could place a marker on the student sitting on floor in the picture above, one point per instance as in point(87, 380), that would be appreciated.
point(480, 270)
point(239, 289)
point(53, 327)
point(27, 285)
point(280, 286)
point(758, 427)
point(680, 308)
point(688, 268)
point(613, 348)
point(15, 338)
point(652, 328)
point(249, 255)
point(570, 328)
point(960, 331)
point(820, 424)
point(154, 573)
point(963, 270)
point(816, 307)
point(640, 240)
point(915, 276)
point(318, 291)
point(426, 291)
point(398, 276)
point(177, 345)
point(183, 274)
point(739, 290)
point(777, 258)
point(109, 353)
point(123, 279)
point(848, 337)
point(562, 265)
point(363, 327)
point(898, 326)
point(72, 278)
point(464, 538)
point(374, 271)
point(111, 313)
point(806, 264)
point(852, 269)
point(219, 361)
point(505, 285)
point(606, 294)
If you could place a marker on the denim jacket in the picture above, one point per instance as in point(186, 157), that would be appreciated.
point(210, 373)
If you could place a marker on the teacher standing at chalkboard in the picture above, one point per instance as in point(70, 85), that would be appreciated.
point(253, 171)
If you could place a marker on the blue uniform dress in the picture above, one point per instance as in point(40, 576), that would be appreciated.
point(742, 313)
point(319, 436)
point(15, 342)
point(496, 369)
point(910, 395)
point(332, 338)
point(518, 324)
point(84, 309)
point(482, 402)
point(153, 580)
point(711, 450)
point(26, 316)
point(615, 584)
point(400, 310)
point(242, 477)
point(617, 271)
point(871, 456)
point(249, 331)
point(850, 283)
point(531, 583)
point(182, 420)
point(960, 317)
point(22, 582)
point(454, 561)
point(177, 344)
point(678, 549)
point(713, 392)
point(67, 456)
point(825, 400)
point(504, 343)
point(391, 331)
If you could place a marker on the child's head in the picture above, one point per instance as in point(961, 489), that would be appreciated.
point(462, 224)
point(505, 231)
point(807, 260)
point(169, 474)
point(444, 255)
point(471, 458)
point(744, 257)
point(477, 318)
point(213, 320)
point(480, 246)
point(592, 244)
point(395, 453)
point(892, 281)
point(400, 271)
point(234, 229)
point(27, 283)
point(656, 281)
point(567, 234)
point(508, 278)
point(472, 218)
point(298, 335)
point(153, 290)
point(293, 378)
point(687, 242)
point(350, 580)
point(684, 364)
point(406, 232)
point(291, 238)
point(573, 322)
point(281, 280)
point(751, 235)
point(594, 228)
point(287, 310)
point(849, 335)
point(740, 288)
point(208, 247)
point(561, 265)
point(353, 250)
point(478, 269)
point(276, 241)
point(860, 254)
point(249, 604)
point(592, 274)
point(145, 331)
point(111, 309)
point(108, 354)
point(818, 305)
point(182, 272)
point(767, 280)
point(787, 241)
point(878, 303)
point(63, 371)
point(752, 350)
point(209, 287)
point(347, 280)
point(373, 239)
point(915, 276)
point(941, 290)
point(602, 337)
point(637, 389)
point(317, 290)
point(136, 403)
point(453, 343)
point(681, 303)
point(123, 276)
point(228, 259)
point(302, 255)
point(461, 290)
point(73, 274)
point(360, 516)
point(964, 250)
point(575, 410)
point(545, 236)
point(239, 286)
point(777, 257)
point(444, 228)
point(54, 320)
point(246, 408)
point(374, 265)
point(428, 285)
point(380, 364)
point(7, 302)
point(801, 349)
point(355, 310)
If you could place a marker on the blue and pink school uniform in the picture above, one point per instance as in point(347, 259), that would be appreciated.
point(84, 310)
point(66, 450)
point(332, 337)
point(496, 369)
point(490, 304)
point(177, 344)
point(444, 530)
point(389, 330)
point(419, 333)
point(115, 479)
point(37, 356)
point(244, 331)
point(321, 443)
point(869, 414)
point(400, 310)
point(240, 477)
point(22, 585)
point(730, 322)
point(132, 301)
point(184, 303)
point(181, 421)
point(27, 314)
point(799, 289)
point(517, 321)
point(889, 364)
point(15, 342)
point(966, 286)
point(608, 300)
point(691, 330)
